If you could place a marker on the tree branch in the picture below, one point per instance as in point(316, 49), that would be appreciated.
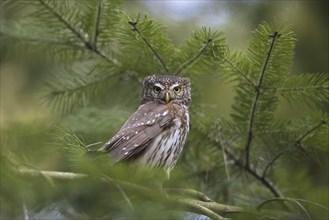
point(302, 88)
point(193, 59)
point(41, 41)
point(218, 141)
point(256, 99)
point(240, 72)
point(86, 43)
point(296, 143)
point(200, 205)
point(134, 25)
point(98, 16)
point(289, 200)
point(189, 192)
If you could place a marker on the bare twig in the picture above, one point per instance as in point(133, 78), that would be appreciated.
point(25, 211)
point(256, 99)
point(52, 174)
point(194, 206)
point(296, 143)
point(193, 59)
point(189, 192)
point(134, 28)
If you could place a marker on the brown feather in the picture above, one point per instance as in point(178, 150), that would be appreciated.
point(135, 135)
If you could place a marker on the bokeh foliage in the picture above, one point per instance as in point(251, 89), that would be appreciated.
point(95, 56)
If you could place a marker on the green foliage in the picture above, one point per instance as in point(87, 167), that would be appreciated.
point(312, 88)
point(99, 57)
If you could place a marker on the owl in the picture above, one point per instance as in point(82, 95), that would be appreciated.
point(155, 134)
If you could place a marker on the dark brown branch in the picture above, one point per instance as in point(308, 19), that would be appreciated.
point(193, 59)
point(86, 43)
point(296, 143)
point(256, 100)
point(98, 18)
point(134, 28)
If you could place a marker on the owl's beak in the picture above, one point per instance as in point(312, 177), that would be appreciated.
point(167, 97)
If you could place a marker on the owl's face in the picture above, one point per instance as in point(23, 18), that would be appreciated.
point(167, 89)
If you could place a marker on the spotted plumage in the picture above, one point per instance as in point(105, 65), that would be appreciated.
point(155, 134)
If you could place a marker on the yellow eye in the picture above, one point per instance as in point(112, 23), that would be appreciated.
point(156, 89)
point(177, 89)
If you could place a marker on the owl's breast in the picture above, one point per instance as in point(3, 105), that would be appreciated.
point(165, 149)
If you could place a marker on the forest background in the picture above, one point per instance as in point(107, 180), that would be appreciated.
point(29, 124)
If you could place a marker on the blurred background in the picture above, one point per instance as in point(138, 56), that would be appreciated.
point(25, 118)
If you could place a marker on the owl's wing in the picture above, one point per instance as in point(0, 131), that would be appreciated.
point(141, 128)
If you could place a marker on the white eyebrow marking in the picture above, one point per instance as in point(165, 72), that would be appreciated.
point(159, 85)
point(174, 85)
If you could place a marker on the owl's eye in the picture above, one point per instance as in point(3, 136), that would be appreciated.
point(177, 89)
point(156, 89)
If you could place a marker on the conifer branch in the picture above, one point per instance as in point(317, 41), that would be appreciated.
point(210, 208)
point(218, 141)
point(296, 143)
point(289, 200)
point(251, 170)
point(40, 41)
point(239, 71)
point(87, 44)
point(256, 99)
point(193, 59)
point(303, 88)
point(134, 28)
point(79, 87)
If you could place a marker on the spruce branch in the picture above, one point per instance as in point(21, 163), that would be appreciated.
point(258, 90)
point(307, 86)
point(210, 208)
point(66, 91)
point(251, 170)
point(223, 145)
point(193, 59)
point(239, 71)
point(88, 45)
point(288, 200)
point(134, 28)
point(40, 40)
point(304, 88)
point(296, 143)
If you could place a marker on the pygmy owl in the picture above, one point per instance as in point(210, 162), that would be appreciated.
point(155, 134)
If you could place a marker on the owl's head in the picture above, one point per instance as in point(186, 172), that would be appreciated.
point(167, 89)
